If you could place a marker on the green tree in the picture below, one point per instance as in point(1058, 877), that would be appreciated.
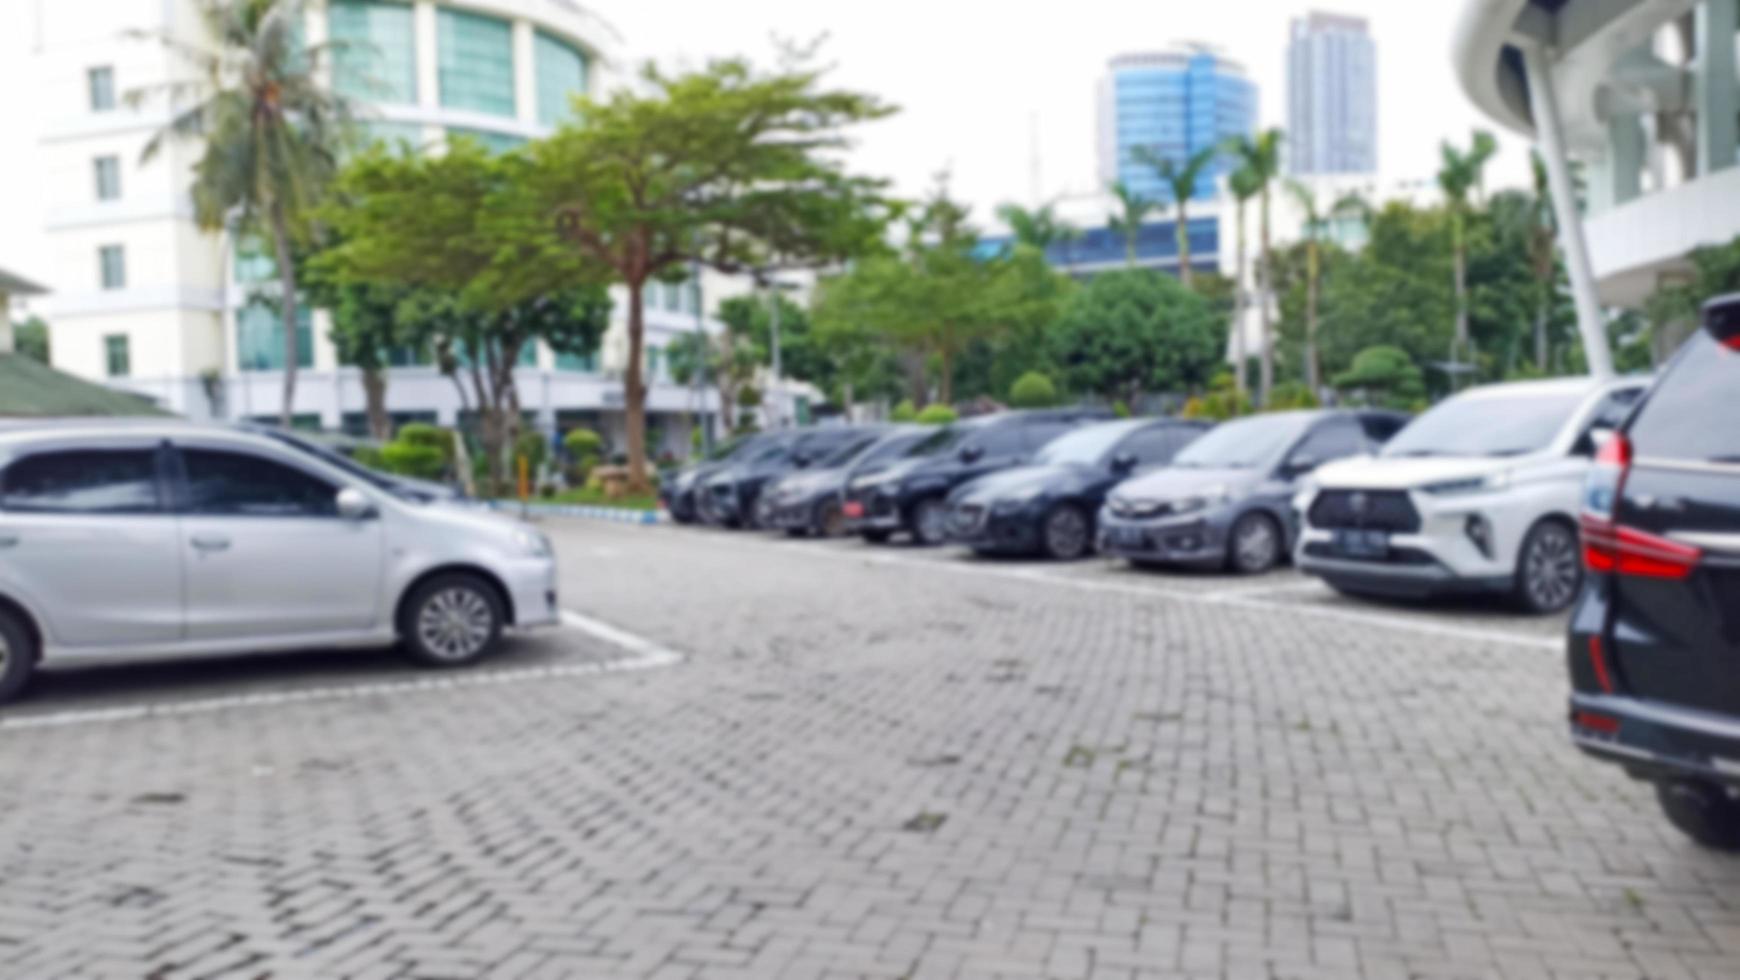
point(1315, 222)
point(1543, 247)
point(1181, 180)
point(1261, 159)
point(1032, 390)
point(1391, 293)
point(726, 167)
point(1133, 209)
point(271, 132)
point(1038, 228)
point(1136, 331)
point(30, 339)
point(936, 415)
point(1243, 185)
point(1384, 376)
point(1460, 176)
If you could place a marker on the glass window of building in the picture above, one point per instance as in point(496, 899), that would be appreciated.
point(561, 75)
point(586, 363)
point(254, 262)
point(260, 337)
point(118, 354)
point(402, 138)
point(102, 88)
point(108, 171)
point(112, 266)
point(475, 62)
point(375, 52)
point(493, 142)
point(655, 357)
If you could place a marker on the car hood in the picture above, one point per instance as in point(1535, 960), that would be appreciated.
point(1405, 473)
point(808, 483)
point(1025, 482)
point(895, 471)
point(1174, 483)
point(462, 519)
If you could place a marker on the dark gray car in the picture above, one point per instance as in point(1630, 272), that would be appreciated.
point(1226, 500)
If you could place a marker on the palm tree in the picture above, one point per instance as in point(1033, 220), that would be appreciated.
point(1460, 177)
point(1262, 157)
point(1243, 184)
point(1181, 180)
point(1132, 208)
point(1038, 227)
point(271, 131)
point(1315, 220)
point(1543, 245)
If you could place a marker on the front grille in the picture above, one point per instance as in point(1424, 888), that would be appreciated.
point(1369, 510)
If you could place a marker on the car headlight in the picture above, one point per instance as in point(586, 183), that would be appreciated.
point(534, 543)
point(1207, 500)
point(1134, 507)
point(1473, 484)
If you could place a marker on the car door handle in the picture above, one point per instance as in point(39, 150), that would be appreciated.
point(211, 542)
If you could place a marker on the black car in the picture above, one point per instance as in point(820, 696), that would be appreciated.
point(1050, 506)
point(811, 501)
point(731, 495)
point(677, 489)
point(912, 495)
point(1655, 636)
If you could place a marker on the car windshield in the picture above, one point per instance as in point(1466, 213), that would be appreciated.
point(1086, 447)
point(1488, 425)
point(1245, 444)
point(846, 452)
point(943, 440)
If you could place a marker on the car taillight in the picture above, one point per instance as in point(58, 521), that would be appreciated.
point(1612, 548)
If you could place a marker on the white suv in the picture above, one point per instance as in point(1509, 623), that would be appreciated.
point(132, 540)
point(1479, 494)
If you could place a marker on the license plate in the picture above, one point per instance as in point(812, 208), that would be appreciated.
point(854, 509)
point(1126, 537)
point(1363, 544)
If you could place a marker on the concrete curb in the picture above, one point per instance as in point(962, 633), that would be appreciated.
point(621, 515)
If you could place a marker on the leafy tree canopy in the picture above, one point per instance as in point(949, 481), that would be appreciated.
point(1135, 331)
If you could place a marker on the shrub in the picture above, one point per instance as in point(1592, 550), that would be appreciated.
point(1032, 390)
point(369, 456)
point(936, 415)
point(904, 412)
point(1121, 409)
point(1290, 396)
point(429, 436)
point(584, 444)
point(410, 459)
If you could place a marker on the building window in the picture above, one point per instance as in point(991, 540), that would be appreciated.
point(586, 363)
point(119, 355)
point(654, 358)
point(561, 75)
point(112, 260)
point(108, 170)
point(375, 55)
point(102, 84)
point(475, 62)
point(260, 337)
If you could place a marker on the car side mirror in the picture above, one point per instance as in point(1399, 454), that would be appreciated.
point(1123, 462)
point(972, 454)
point(801, 461)
point(354, 505)
point(1300, 465)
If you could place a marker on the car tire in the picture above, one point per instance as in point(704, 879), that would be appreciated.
point(1066, 534)
point(1549, 568)
point(830, 520)
point(1254, 544)
point(1703, 811)
point(452, 621)
point(682, 516)
point(18, 656)
point(930, 522)
point(876, 537)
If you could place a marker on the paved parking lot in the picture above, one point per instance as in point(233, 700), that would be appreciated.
point(753, 758)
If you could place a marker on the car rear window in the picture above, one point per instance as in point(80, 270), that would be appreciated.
point(1686, 417)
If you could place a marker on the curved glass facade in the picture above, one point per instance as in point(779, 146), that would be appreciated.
point(561, 75)
point(475, 62)
point(1174, 106)
point(374, 51)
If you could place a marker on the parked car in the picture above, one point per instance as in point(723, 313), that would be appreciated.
point(731, 496)
point(133, 541)
point(812, 501)
point(1049, 506)
point(1655, 635)
point(1225, 502)
point(1479, 494)
point(677, 489)
point(338, 451)
point(911, 495)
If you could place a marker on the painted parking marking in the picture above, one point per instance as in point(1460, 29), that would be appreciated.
point(643, 655)
point(1261, 590)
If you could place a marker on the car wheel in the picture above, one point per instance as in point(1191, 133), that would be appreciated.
point(830, 520)
point(1067, 533)
point(682, 515)
point(17, 656)
point(452, 621)
point(1705, 812)
point(1254, 545)
point(930, 521)
point(875, 537)
point(1549, 568)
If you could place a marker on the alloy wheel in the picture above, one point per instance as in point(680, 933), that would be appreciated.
point(930, 522)
point(1255, 548)
point(1552, 569)
point(455, 624)
point(1066, 533)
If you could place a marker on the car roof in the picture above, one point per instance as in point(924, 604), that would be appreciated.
point(1547, 388)
point(36, 430)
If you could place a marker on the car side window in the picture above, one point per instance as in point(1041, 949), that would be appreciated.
point(1156, 446)
point(235, 484)
point(1330, 441)
point(85, 481)
point(1001, 441)
point(1037, 434)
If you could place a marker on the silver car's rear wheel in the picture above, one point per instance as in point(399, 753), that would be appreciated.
point(17, 656)
point(452, 621)
point(1254, 545)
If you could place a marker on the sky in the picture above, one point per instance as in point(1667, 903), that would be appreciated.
point(979, 84)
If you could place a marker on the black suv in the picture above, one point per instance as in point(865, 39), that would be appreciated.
point(912, 494)
point(1655, 638)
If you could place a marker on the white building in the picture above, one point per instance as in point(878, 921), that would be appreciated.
point(1331, 96)
point(146, 301)
point(1645, 95)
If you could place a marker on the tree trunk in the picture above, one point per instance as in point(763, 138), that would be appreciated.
point(287, 306)
point(1183, 244)
point(1267, 378)
point(1460, 259)
point(1541, 302)
point(374, 385)
point(945, 386)
point(634, 388)
point(1313, 271)
point(1238, 337)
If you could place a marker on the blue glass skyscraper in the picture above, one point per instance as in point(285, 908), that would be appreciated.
point(1174, 102)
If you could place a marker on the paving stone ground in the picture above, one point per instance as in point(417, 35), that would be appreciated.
point(877, 763)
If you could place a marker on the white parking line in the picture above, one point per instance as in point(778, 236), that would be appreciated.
point(644, 654)
point(1256, 591)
